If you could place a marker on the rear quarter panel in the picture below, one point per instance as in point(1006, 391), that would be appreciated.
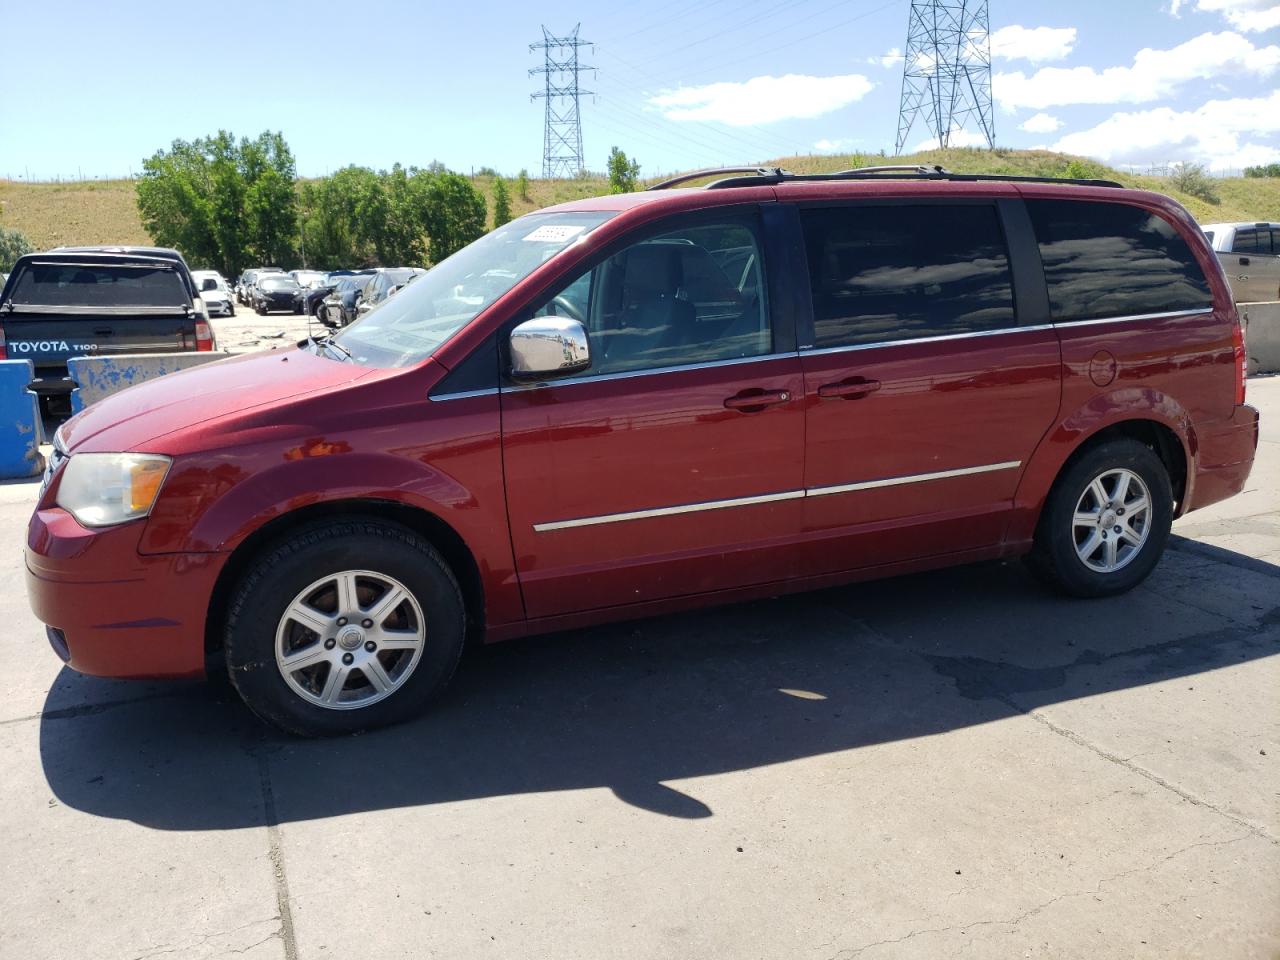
point(1178, 371)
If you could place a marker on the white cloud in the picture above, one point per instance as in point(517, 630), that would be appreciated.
point(1251, 16)
point(835, 146)
point(1217, 134)
point(1041, 123)
point(959, 138)
point(1154, 74)
point(891, 58)
point(1037, 44)
point(762, 99)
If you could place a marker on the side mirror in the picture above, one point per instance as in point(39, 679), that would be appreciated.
point(549, 347)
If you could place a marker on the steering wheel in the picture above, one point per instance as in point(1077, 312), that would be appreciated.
point(564, 307)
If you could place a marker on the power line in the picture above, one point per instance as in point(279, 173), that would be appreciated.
point(562, 131)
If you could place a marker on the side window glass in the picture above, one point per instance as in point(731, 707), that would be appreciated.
point(1246, 241)
point(897, 272)
point(694, 295)
point(1105, 260)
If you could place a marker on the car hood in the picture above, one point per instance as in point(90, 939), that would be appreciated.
point(158, 407)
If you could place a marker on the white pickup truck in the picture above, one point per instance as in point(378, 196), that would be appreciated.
point(1250, 255)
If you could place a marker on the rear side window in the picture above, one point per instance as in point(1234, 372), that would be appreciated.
point(1246, 241)
point(96, 285)
point(891, 272)
point(1104, 260)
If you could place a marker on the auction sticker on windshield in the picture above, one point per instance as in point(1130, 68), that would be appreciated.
point(554, 233)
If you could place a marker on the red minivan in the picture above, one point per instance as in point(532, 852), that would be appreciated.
point(642, 403)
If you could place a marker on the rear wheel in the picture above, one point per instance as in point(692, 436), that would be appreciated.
point(1106, 521)
point(345, 627)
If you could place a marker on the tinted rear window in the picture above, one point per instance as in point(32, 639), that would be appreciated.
point(1106, 260)
point(95, 285)
point(896, 272)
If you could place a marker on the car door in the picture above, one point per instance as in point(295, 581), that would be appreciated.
point(1253, 264)
point(673, 466)
point(928, 382)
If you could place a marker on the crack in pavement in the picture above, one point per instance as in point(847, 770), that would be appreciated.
point(186, 948)
point(852, 952)
point(276, 854)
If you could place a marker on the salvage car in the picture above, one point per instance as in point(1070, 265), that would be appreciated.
point(72, 302)
point(605, 410)
point(218, 299)
point(342, 305)
point(1250, 255)
point(385, 281)
point(277, 292)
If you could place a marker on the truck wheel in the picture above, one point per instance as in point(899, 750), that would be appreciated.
point(1106, 521)
point(344, 627)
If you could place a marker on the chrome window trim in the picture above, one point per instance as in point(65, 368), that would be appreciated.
point(967, 335)
point(462, 394)
point(652, 372)
point(771, 497)
point(1128, 318)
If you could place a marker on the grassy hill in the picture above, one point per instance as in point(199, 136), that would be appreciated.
point(105, 211)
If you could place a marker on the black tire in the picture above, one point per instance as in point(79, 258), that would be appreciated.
point(1055, 558)
point(261, 311)
point(282, 572)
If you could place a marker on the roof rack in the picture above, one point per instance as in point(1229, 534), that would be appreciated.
point(761, 176)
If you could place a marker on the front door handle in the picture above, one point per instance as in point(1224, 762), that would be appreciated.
point(1244, 261)
point(849, 389)
point(756, 399)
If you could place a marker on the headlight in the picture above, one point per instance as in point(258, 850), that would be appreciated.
point(100, 489)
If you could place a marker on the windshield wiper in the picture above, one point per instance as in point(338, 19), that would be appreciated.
point(332, 344)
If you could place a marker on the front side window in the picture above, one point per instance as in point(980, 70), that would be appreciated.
point(893, 272)
point(1104, 260)
point(411, 325)
point(692, 295)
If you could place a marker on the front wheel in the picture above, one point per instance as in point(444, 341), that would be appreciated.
point(344, 627)
point(1106, 521)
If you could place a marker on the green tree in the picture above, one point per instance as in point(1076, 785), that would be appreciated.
point(13, 245)
point(1267, 170)
point(522, 185)
point(221, 202)
point(623, 173)
point(501, 203)
point(332, 229)
point(1194, 179)
point(454, 213)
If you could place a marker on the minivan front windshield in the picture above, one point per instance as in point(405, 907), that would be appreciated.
point(408, 327)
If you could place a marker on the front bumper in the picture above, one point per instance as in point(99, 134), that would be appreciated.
point(117, 613)
point(1224, 457)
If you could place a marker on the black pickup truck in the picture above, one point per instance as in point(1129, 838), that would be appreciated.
point(78, 301)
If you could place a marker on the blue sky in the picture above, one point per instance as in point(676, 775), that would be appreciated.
point(99, 86)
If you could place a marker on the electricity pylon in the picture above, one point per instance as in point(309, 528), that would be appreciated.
point(946, 80)
point(562, 136)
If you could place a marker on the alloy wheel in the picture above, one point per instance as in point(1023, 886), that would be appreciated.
point(350, 639)
point(1112, 520)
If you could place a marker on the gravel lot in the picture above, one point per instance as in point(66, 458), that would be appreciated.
point(952, 764)
point(247, 332)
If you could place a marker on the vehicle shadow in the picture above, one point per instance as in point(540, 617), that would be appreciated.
point(635, 706)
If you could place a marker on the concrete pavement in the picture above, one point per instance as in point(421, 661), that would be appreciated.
point(956, 763)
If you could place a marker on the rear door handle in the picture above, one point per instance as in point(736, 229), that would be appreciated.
point(755, 399)
point(1244, 261)
point(849, 389)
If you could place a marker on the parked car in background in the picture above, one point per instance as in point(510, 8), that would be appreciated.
point(342, 305)
point(71, 302)
point(218, 299)
point(277, 292)
point(248, 281)
point(1250, 256)
point(583, 417)
point(384, 282)
point(308, 279)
